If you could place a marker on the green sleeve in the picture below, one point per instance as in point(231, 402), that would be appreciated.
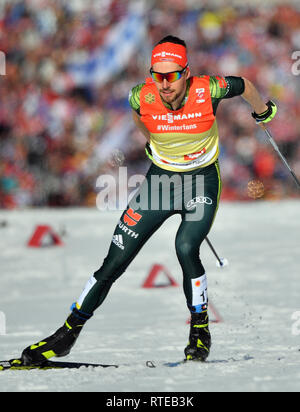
point(134, 97)
point(226, 87)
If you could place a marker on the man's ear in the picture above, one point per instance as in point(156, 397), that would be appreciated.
point(188, 73)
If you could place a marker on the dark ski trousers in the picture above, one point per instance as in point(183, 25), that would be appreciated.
point(193, 194)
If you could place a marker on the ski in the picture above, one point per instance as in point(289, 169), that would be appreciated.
point(174, 364)
point(16, 364)
point(152, 364)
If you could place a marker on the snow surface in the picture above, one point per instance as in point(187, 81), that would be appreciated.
point(255, 348)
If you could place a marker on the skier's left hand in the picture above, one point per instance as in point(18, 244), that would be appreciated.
point(268, 115)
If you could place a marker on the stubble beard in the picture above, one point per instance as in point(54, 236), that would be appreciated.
point(174, 97)
point(169, 100)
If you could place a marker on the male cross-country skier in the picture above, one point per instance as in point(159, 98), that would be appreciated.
point(177, 114)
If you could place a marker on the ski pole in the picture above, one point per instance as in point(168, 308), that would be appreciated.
point(273, 143)
point(221, 262)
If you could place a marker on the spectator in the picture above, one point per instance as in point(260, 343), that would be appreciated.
point(51, 130)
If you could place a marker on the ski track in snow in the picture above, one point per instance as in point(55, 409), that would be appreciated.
point(255, 348)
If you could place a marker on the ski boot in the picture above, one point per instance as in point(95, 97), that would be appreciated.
point(59, 344)
point(200, 340)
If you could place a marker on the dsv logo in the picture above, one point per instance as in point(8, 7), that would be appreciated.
point(191, 204)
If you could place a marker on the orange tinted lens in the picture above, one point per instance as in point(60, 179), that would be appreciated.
point(170, 77)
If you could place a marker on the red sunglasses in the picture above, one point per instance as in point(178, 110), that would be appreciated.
point(170, 77)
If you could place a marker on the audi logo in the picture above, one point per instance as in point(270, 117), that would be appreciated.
point(198, 199)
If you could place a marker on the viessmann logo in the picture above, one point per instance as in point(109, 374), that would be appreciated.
point(167, 54)
point(170, 117)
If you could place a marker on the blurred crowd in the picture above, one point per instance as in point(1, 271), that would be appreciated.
point(53, 132)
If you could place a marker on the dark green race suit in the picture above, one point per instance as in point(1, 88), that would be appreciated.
point(194, 195)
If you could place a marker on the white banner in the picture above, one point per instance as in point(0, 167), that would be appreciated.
point(121, 43)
